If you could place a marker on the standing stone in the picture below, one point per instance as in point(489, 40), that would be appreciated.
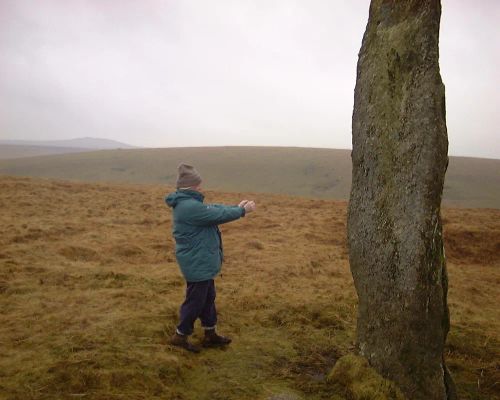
point(399, 159)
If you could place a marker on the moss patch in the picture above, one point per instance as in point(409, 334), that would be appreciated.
point(358, 381)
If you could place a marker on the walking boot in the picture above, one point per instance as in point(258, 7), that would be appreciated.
point(211, 339)
point(182, 341)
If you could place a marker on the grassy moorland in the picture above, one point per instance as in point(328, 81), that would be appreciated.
point(317, 173)
point(89, 294)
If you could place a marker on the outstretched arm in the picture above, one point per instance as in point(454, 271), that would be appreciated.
point(216, 214)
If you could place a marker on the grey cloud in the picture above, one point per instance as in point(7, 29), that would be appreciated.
point(184, 73)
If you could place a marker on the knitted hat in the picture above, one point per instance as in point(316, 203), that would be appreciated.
point(187, 176)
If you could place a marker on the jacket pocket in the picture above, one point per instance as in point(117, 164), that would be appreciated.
point(212, 248)
point(184, 245)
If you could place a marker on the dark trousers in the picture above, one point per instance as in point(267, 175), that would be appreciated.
point(199, 303)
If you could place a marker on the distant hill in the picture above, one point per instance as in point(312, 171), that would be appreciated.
point(30, 148)
point(9, 151)
point(319, 173)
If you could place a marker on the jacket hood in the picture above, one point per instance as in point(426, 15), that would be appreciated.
point(180, 195)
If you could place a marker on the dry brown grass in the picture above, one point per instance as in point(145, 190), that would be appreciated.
point(89, 293)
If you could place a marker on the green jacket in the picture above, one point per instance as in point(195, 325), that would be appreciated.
point(198, 242)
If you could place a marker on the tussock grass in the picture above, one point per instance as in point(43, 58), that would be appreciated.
point(89, 296)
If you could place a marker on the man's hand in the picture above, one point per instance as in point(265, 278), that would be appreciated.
point(248, 205)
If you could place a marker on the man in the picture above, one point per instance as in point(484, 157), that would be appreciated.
point(199, 254)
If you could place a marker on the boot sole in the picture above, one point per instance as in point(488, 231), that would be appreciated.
point(208, 345)
point(187, 348)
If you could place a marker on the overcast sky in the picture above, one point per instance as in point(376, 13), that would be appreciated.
point(224, 72)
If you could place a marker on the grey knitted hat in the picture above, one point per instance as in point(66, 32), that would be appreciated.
point(187, 176)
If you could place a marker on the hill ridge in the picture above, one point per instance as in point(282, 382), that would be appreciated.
point(308, 172)
point(85, 142)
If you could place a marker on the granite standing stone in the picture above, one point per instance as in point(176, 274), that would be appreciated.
point(399, 160)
